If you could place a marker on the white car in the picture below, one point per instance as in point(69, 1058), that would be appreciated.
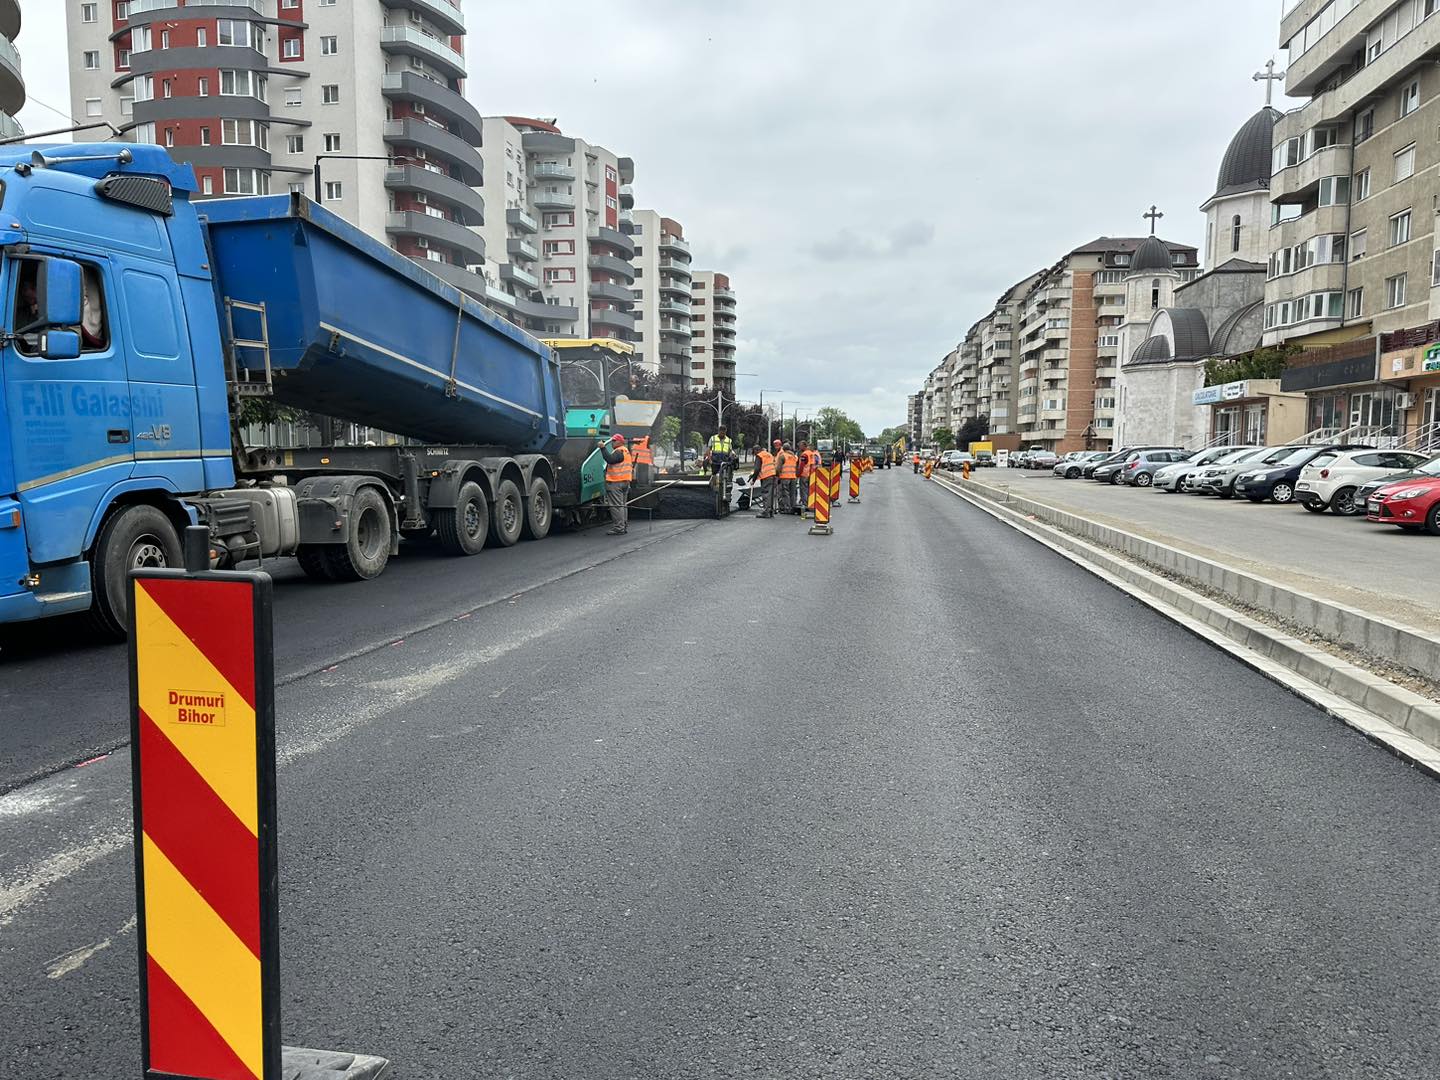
point(1172, 477)
point(1218, 478)
point(1331, 480)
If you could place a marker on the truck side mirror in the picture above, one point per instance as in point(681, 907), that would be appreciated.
point(60, 344)
point(58, 293)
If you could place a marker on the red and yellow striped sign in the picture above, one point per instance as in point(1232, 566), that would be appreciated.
point(203, 728)
point(854, 480)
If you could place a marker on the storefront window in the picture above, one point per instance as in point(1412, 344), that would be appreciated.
point(1255, 423)
point(1227, 425)
point(1327, 412)
point(1374, 411)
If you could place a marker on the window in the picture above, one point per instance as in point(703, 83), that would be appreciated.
point(94, 325)
point(127, 106)
point(1357, 244)
point(246, 182)
point(1362, 185)
point(332, 142)
point(559, 274)
point(207, 185)
point(1395, 291)
point(233, 32)
point(202, 37)
point(203, 86)
point(1364, 125)
point(1405, 163)
point(290, 49)
point(293, 97)
point(167, 87)
point(1410, 98)
point(1435, 271)
point(333, 190)
point(1235, 233)
point(1334, 190)
point(295, 144)
point(1357, 303)
point(92, 106)
point(122, 59)
point(164, 39)
point(329, 45)
point(330, 94)
point(204, 136)
point(122, 9)
point(1400, 228)
point(92, 60)
point(88, 14)
point(289, 5)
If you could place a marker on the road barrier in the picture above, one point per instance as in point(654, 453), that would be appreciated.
point(202, 722)
point(825, 491)
point(929, 468)
point(854, 480)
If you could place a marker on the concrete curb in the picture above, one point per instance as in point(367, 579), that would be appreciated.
point(1397, 718)
point(1382, 638)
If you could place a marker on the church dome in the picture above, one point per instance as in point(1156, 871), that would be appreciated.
point(1152, 350)
point(1152, 254)
point(1246, 165)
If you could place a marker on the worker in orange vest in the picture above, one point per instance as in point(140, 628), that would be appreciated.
point(619, 472)
point(916, 461)
point(764, 474)
point(644, 459)
point(809, 462)
point(787, 471)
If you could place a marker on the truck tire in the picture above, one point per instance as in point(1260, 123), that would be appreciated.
point(313, 561)
point(461, 531)
point(508, 520)
point(138, 537)
point(367, 550)
point(539, 510)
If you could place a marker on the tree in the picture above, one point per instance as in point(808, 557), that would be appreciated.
point(1265, 363)
point(944, 438)
point(670, 431)
point(891, 435)
point(831, 423)
point(976, 429)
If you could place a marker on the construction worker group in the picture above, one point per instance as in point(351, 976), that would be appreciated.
point(783, 474)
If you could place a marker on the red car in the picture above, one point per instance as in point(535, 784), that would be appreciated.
point(1410, 504)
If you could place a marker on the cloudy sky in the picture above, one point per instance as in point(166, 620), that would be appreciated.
point(871, 176)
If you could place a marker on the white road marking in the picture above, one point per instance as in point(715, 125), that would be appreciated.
point(31, 883)
point(72, 961)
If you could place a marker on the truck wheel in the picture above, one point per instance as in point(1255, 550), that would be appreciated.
point(139, 537)
point(461, 531)
point(539, 510)
point(508, 520)
point(365, 553)
point(313, 561)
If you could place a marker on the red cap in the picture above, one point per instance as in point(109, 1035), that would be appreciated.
point(779, 443)
point(617, 437)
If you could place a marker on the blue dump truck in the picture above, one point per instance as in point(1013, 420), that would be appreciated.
point(137, 324)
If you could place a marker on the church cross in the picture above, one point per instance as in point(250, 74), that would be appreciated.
point(1154, 215)
point(1269, 77)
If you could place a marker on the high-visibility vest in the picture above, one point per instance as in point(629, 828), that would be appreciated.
point(809, 461)
point(621, 472)
point(917, 459)
point(788, 464)
point(719, 445)
point(767, 464)
point(643, 454)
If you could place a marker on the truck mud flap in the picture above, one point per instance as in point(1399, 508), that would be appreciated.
point(323, 506)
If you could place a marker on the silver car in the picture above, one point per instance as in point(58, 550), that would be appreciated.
point(1218, 478)
point(1172, 477)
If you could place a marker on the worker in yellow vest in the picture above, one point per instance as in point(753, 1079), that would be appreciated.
point(787, 471)
point(764, 475)
point(619, 472)
point(718, 453)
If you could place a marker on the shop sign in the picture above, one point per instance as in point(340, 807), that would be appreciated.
point(1360, 369)
point(1234, 390)
point(1206, 395)
point(1432, 359)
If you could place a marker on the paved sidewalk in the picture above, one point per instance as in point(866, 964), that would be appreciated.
point(1377, 569)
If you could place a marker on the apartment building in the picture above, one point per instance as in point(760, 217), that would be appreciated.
point(1069, 341)
point(663, 330)
point(935, 406)
point(1000, 363)
point(254, 93)
point(965, 381)
point(557, 261)
point(712, 331)
point(1356, 179)
point(12, 81)
point(913, 413)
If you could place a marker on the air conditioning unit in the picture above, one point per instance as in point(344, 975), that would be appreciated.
point(418, 108)
point(421, 242)
point(1405, 401)
point(421, 197)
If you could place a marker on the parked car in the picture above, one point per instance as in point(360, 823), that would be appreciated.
point(1041, 459)
point(1002, 459)
point(1018, 459)
point(1411, 504)
point(1172, 477)
point(1423, 472)
point(1072, 463)
point(962, 457)
point(947, 459)
point(1112, 470)
point(1331, 481)
point(985, 459)
point(1277, 479)
point(1218, 478)
point(1087, 470)
point(1140, 470)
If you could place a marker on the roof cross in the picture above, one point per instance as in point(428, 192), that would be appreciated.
point(1269, 77)
point(1154, 215)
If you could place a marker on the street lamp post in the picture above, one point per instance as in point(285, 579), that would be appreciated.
point(769, 429)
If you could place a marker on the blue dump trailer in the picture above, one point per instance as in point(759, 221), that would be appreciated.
point(139, 327)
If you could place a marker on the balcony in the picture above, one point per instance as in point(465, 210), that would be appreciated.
point(723, 332)
point(620, 320)
point(674, 351)
point(550, 170)
point(12, 82)
point(437, 230)
point(677, 327)
point(521, 220)
point(519, 275)
point(552, 200)
point(724, 317)
point(675, 267)
point(613, 238)
point(436, 140)
point(724, 295)
point(439, 100)
point(517, 248)
point(539, 309)
point(611, 265)
point(447, 17)
point(465, 280)
point(546, 142)
point(674, 307)
point(468, 203)
point(724, 348)
point(408, 41)
point(1324, 219)
point(675, 245)
point(627, 197)
point(607, 290)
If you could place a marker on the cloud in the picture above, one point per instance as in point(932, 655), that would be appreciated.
point(848, 246)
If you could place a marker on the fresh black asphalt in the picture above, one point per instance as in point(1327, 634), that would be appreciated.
point(920, 799)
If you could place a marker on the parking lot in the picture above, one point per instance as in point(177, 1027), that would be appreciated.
point(1372, 567)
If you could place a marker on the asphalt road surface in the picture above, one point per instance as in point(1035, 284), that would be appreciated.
point(920, 799)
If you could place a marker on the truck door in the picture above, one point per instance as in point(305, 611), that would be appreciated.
point(70, 432)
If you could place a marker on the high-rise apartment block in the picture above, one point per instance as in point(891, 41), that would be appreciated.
point(712, 332)
point(12, 82)
point(663, 294)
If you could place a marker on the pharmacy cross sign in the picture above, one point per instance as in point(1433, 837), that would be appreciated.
point(1154, 215)
point(1269, 77)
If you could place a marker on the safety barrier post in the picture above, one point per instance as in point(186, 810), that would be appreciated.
point(929, 468)
point(202, 723)
point(811, 486)
point(854, 480)
point(820, 491)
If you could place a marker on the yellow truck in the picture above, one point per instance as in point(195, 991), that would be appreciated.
point(984, 453)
